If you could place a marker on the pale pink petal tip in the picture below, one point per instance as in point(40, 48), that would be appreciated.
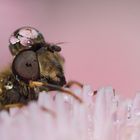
point(104, 116)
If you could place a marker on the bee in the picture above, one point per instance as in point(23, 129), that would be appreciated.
point(37, 66)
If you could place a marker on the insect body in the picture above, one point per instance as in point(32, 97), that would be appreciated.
point(36, 66)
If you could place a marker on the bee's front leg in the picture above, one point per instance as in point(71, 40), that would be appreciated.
point(54, 87)
point(8, 106)
point(20, 105)
point(71, 83)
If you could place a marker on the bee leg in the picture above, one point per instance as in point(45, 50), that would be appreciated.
point(52, 113)
point(71, 83)
point(8, 106)
point(95, 92)
point(54, 87)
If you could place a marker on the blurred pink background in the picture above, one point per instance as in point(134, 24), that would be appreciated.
point(102, 37)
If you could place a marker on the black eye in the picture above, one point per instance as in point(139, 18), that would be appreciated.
point(26, 66)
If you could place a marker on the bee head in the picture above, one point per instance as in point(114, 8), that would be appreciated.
point(24, 38)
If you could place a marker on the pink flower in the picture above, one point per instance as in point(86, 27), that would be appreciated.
point(101, 117)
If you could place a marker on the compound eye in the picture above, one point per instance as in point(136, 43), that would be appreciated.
point(25, 66)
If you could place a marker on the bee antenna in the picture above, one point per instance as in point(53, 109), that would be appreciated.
point(59, 43)
point(54, 47)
